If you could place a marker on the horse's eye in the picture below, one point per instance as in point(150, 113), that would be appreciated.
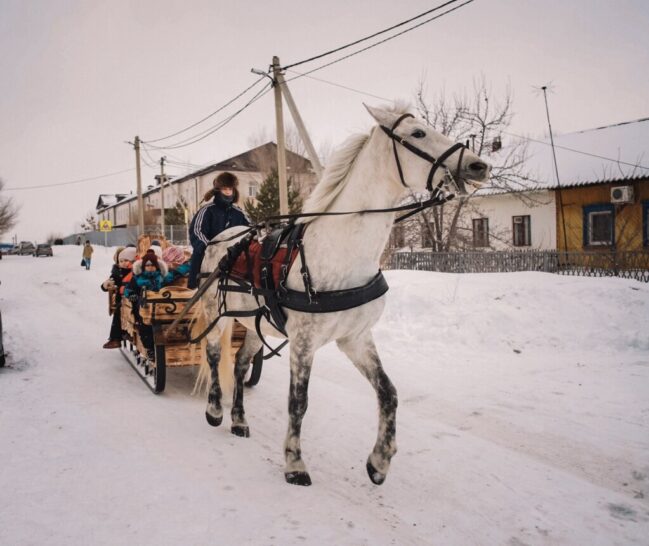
point(418, 133)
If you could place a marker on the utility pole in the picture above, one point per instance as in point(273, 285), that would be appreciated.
point(140, 201)
point(162, 194)
point(556, 171)
point(310, 150)
point(281, 146)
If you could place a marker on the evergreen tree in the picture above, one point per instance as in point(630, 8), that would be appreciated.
point(268, 199)
point(176, 215)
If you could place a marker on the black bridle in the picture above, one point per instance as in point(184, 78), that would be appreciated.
point(435, 163)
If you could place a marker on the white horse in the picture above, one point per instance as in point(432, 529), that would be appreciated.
point(341, 252)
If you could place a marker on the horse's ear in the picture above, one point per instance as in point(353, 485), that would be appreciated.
point(383, 117)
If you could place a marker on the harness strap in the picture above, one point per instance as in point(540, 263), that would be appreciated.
point(394, 147)
point(336, 300)
point(273, 351)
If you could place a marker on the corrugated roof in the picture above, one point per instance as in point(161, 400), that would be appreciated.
point(613, 154)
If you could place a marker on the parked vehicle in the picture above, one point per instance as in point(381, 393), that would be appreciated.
point(5, 248)
point(44, 249)
point(25, 248)
point(2, 349)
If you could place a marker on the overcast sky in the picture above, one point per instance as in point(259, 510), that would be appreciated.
point(82, 77)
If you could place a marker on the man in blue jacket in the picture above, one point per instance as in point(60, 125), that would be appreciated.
point(212, 219)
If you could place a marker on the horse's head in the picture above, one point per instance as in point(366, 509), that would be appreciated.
point(425, 158)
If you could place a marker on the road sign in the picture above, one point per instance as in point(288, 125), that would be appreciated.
point(105, 225)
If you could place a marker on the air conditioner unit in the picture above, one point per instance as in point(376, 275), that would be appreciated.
point(622, 194)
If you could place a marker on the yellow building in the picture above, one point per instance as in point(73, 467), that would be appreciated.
point(604, 215)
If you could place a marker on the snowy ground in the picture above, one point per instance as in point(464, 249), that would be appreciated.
point(523, 419)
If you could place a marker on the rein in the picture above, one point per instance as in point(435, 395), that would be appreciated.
point(437, 197)
point(359, 295)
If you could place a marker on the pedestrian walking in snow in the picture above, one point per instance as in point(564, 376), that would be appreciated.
point(87, 254)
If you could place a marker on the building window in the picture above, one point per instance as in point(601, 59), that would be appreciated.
point(397, 237)
point(480, 232)
point(645, 223)
point(252, 189)
point(521, 230)
point(599, 225)
point(426, 238)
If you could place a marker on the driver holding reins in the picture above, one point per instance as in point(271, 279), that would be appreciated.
point(213, 218)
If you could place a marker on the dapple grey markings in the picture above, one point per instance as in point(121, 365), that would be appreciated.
point(363, 354)
point(214, 411)
point(298, 400)
point(251, 345)
point(341, 252)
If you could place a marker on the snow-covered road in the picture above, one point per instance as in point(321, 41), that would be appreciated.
point(523, 419)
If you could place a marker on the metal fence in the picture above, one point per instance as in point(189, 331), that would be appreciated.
point(630, 265)
point(128, 235)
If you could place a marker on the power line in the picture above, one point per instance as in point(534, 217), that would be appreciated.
point(576, 151)
point(381, 41)
point(341, 86)
point(356, 42)
point(619, 124)
point(211, 130)
point(513, 134)
point(72, 181)
point(209, 115)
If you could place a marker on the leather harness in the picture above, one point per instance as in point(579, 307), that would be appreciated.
point(261, 268)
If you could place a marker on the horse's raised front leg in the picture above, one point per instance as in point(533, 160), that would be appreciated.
point(251, 345)
point(301, 361)
point(214, 410)
point(361, 350)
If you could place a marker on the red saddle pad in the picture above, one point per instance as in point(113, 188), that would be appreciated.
point(240, 267)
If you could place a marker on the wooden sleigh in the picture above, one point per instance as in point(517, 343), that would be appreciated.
point(171, 348)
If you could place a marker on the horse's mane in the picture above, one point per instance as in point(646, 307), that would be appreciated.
point(338, 167)
point(335, 174)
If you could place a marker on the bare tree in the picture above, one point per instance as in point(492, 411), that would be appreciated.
point(480, 120)
point(8, 212)
point(90, 223)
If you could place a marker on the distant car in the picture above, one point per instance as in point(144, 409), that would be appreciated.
point(44, 249)
point(25, 248)
point(6, 248)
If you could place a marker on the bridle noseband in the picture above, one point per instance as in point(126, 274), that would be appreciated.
point(436, 163)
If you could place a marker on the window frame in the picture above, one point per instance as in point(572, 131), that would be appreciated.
point(398, 236)
point(645, 223)
point(485, 221)
point(527, 226)
point(587, 232)
point(253, 186)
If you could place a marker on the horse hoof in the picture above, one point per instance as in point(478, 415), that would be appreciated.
point(240, 430)
point(214, 421)
point(376, 476)
point(298, 478)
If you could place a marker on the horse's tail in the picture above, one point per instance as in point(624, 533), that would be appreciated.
point(226, 362)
